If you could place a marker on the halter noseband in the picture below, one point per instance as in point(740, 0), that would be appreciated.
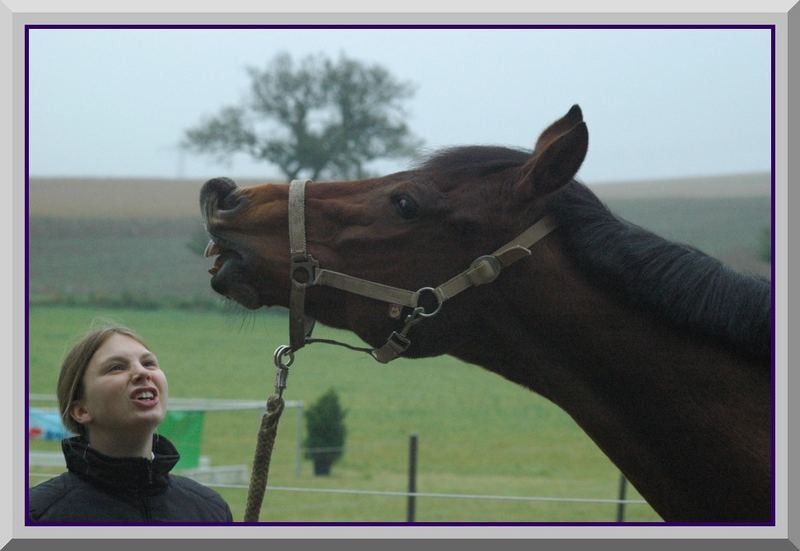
point(304, 271)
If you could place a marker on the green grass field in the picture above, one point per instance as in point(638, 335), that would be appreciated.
point(478, 434)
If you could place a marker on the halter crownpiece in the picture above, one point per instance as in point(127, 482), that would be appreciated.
point(304, 271)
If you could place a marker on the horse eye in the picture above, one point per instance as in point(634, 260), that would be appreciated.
point(406, 206)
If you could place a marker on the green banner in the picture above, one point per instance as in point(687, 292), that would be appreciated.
point(185, 430)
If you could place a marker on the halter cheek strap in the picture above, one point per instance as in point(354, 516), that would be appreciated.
point(305, 271)
point(302, 267)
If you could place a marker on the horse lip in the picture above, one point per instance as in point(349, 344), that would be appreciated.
point(223, 249)
point(229, 280)
point(230, 254)
point(218, 245)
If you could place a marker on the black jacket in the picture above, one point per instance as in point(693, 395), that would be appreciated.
point(102, 489)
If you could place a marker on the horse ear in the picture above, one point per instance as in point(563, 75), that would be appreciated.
point(561, 126)
point(556, 163)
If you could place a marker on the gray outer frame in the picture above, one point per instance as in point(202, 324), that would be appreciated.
point(793, 119)
point(17, 23)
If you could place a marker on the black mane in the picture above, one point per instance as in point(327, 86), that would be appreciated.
point(481, 159)
point(689, 288)
point(685, 286)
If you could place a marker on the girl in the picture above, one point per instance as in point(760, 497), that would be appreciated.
point(112, 393)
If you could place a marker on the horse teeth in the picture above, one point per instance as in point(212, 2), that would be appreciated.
point(212, 249)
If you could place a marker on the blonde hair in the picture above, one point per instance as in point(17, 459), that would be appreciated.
point(70, 378)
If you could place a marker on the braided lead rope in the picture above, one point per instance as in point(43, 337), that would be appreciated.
point(267, 432)
point(264, 444)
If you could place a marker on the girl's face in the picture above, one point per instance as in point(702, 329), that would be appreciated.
point(123, 389)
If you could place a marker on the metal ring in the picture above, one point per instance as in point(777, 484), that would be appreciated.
point(439, 302)
point(280, 352)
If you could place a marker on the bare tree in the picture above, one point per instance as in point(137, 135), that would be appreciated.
point(317, 119)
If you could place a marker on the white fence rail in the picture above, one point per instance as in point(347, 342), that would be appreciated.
point(352, 491)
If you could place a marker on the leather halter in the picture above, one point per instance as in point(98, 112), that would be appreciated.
point(304, 271)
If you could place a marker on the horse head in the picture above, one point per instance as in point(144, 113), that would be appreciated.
point(411, 230)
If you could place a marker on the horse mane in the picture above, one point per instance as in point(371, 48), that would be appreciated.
point(683, 285)
point(480, 159)
point(686, 286)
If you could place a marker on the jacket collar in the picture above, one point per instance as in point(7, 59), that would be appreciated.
point(121, 472)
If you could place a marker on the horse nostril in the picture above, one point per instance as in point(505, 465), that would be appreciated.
point(217, 193)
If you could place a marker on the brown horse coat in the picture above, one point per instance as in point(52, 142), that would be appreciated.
point(659, 352)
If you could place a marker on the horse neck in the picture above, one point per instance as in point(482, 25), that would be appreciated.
point(658, 402)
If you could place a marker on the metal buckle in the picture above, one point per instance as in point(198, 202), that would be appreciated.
point(303, 269)
point(484, 269)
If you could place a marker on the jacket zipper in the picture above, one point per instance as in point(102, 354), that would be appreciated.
point(145, 507)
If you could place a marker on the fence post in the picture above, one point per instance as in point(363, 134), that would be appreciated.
point(621, 504)
point(412, 478)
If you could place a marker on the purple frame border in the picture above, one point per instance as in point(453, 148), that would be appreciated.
point(770, 27)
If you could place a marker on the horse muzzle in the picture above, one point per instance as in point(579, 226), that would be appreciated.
point(219, 204)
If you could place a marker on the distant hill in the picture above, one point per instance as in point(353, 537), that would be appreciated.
point(139, 238)
point(738, 185)
point(116, 197)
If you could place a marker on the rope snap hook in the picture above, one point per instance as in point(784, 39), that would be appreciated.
point(283, 358)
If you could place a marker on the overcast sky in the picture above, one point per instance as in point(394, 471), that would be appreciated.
point(659, 103)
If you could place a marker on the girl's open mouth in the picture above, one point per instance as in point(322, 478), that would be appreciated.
point(146, 397)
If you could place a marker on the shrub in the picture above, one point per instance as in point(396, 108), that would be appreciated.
point(325, 432)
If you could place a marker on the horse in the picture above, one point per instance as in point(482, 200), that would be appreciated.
point(660, 353)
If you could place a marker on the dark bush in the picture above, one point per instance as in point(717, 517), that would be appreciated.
point(325, 432)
